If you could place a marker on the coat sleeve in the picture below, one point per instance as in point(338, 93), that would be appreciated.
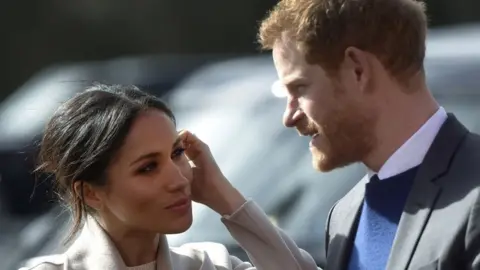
point(268, 247)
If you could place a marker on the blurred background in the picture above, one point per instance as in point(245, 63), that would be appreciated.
point(202, 58)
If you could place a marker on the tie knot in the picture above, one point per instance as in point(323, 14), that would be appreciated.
point(375, 179)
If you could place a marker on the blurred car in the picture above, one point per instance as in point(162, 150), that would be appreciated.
point(230, 105)
point(24, 113)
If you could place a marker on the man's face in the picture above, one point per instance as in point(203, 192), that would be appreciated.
point(333, 111)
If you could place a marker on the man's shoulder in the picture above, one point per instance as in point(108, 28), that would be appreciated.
point(50, 262)
point(472, 142)
point(467, 156)
point(465, 167)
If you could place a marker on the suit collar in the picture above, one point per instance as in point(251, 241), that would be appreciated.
point(425, 191)
point(413, 151)
point(94, 249)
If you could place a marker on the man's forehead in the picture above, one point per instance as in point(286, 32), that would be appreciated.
point(292, 74)
point(284, 49)
point(289, 62)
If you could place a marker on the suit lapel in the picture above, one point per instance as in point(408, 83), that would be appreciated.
point(343, 223)
point(424, 193)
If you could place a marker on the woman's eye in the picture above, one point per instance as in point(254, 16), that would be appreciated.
point(148, 168)
point(178, 153)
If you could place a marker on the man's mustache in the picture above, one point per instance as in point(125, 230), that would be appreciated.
point(306, 127)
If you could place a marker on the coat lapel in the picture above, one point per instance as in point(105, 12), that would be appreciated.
point(424, 193)
point(164, 260)
point(343, 223)
point(94, 249)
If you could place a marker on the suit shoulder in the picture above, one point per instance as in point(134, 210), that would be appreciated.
point(468, 154)
point(196, 253)
point(50, 262)
point(473, 140)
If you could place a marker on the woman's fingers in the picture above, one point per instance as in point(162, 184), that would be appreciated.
point(193, 145)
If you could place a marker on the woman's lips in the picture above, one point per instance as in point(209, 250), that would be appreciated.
point(180, 206)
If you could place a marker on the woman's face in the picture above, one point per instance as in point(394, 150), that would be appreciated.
point(148, 182)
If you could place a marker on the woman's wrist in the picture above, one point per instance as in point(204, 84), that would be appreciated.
point(228, 201)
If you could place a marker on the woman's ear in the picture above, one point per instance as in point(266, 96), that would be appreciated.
point(88, 194)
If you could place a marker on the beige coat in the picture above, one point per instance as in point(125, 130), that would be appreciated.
point(267, 246)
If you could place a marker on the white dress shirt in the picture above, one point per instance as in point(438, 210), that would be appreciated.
point(413, 151)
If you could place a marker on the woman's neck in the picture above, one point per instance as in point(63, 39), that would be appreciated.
point(135, 247)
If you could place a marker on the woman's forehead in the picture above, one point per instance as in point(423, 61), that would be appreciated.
point(152, 131)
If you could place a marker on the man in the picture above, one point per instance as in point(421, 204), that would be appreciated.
point(353, 70)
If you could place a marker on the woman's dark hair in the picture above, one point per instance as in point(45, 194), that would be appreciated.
point(83, 136)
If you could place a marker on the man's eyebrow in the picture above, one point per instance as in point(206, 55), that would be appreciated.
point(294, 82)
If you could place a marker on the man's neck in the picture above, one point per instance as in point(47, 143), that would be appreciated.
point(399, 119)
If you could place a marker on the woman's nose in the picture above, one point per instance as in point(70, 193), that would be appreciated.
point(178, 181)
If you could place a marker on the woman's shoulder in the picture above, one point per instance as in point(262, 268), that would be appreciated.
point(199, 253)
point(50, 262)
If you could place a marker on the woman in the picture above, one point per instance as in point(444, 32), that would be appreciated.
point(129, 178)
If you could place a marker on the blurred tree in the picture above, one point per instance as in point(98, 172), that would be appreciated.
point(444, 12)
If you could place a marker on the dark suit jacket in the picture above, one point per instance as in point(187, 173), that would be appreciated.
point(440, 224)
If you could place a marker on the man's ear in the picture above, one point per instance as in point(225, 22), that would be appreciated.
point(88, 194)
point(357, 62)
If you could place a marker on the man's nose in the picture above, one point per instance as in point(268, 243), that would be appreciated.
point(291, 116)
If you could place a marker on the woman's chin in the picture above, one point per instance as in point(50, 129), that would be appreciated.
point(181, 225)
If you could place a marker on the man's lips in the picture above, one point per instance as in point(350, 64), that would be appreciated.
point(307, 133)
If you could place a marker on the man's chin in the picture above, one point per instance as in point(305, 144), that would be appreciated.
point(321, 166)
point(324, 163)
point(319, 161)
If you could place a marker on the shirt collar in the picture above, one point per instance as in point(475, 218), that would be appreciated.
point(413, 151)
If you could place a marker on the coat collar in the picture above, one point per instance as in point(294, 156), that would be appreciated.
point(93, 249)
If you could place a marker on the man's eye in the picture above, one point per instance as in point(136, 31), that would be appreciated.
point(300, 89)
point(297, 90)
